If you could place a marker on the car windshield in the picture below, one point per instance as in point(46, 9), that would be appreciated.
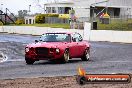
point(55, 37)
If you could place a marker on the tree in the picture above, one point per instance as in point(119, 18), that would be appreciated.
point(22, 13)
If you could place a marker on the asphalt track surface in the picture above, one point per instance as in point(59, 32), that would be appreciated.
point(106, 58)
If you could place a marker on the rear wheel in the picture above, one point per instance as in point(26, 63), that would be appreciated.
point(29, 61)
point(66, 56)
point(86, 55)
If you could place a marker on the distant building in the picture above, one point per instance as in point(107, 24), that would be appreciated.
point(88, 8)
point(29, 19)
point(115, 7)
point(62, 7)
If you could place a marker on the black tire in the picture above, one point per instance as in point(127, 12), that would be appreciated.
point(29, 61)
point(81, 80)
point(66, 56)
point(86, 55)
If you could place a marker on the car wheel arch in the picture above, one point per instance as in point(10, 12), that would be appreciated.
point(87, 48)
point(67, 49)
point(84, 57)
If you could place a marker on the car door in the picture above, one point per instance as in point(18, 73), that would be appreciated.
point(73, 46)
point(80, 45)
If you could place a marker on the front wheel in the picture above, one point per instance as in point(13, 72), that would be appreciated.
point(86, 55)
point(66, 56)
point(29, 61)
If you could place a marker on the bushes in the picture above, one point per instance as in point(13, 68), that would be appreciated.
point(1, 23)
point(52, 15)
point(19, 21)
point(41, 17)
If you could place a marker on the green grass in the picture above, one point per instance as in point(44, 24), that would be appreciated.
point(117, 24)
point(55, 25)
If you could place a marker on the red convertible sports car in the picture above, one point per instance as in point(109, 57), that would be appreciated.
point(57, 46)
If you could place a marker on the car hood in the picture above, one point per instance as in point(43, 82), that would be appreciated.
point(46, 44)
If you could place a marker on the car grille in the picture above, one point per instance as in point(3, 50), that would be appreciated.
point(42, 50)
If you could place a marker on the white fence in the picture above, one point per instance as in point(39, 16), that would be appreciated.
point(108, 35)
point(34, 30)
point(23, 30)
point(93, 35)
point(112, 36)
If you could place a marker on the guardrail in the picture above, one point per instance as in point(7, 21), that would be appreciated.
point(34, 30)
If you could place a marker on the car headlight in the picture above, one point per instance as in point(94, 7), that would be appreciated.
point(27, 50)
point(57, 50)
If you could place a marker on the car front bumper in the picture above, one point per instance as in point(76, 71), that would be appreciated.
point(43, 57)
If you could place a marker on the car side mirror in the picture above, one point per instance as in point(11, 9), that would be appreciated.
point(36, 41)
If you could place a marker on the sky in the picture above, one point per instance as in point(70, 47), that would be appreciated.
point(15, 5)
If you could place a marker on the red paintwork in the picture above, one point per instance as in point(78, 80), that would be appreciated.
point(76, 49)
